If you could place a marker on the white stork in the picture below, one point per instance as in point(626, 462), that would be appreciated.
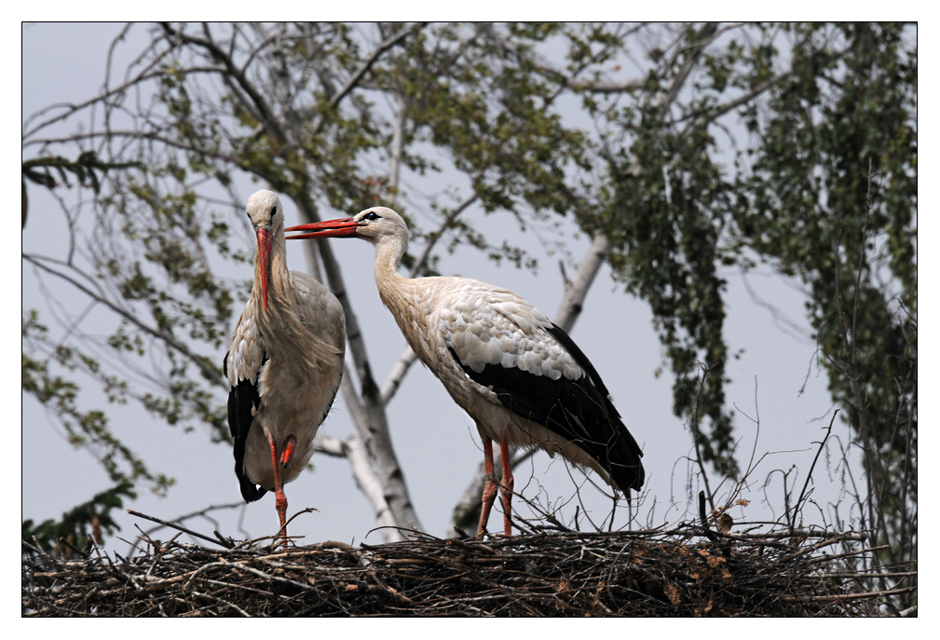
point(519, 376)
point(284, 364)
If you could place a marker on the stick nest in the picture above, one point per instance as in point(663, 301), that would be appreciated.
point(666, 573)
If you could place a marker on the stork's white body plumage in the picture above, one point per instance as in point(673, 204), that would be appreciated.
point(519, 376)
point(484, 325)
point(284, 364)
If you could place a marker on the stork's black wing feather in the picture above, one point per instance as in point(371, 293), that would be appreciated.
point(243, 398)
point(578, 410)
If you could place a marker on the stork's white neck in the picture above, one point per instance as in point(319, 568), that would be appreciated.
point(388, 253)
point(406, 298)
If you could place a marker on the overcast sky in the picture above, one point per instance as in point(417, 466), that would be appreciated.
point(436, 442)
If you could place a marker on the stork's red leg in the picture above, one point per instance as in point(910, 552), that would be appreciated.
point(280, 500)
point(490, 487)
point(507, 482)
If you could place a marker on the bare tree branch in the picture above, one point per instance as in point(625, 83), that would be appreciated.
point(397, 374)
point(365, 66)
point(577, 289)
point(242, 85)
point(374, 488)
point(212, 373)
point(369, 412)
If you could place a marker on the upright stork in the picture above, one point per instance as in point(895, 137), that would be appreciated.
point(519, 376)
point(284, 364)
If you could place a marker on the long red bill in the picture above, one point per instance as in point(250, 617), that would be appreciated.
point(264, 259)
point(340, 228)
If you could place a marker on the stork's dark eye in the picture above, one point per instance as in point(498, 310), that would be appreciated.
point(273, 211)
point(372, 215)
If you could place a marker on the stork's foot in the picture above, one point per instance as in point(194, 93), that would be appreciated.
point(506, 483)
point(490, 486)
point(280, 503)
point(490, 489)
point(505, 487)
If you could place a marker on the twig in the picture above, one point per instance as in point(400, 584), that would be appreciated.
point(365, 66)
point(697, 436)
point(799, 500)
point(836, 597)
point(221, 543)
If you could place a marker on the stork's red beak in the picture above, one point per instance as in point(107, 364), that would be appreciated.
point(340, 228)
point(264, 259)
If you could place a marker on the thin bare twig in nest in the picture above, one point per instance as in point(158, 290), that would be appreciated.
point(809, 476)
point(219, 541)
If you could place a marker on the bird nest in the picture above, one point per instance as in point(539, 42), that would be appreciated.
point(687, 571)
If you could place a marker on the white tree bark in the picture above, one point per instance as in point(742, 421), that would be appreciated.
point(368, 412)
point(372, 458)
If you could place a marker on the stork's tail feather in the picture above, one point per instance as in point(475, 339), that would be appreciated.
point(623, 458)
point(628, 474)
point(250, 491)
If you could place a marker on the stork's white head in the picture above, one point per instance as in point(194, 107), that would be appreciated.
point(265, 210)
point(267, 217)
point(376, 223)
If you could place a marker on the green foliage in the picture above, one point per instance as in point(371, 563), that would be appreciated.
point(85, 168)
point(666, 220)
point(665, 225)
point(833, 200)
point(483, 100)
point(89, 429)
point(825, 192)
point(77, 527)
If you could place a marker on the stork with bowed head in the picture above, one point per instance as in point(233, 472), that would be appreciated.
point(519, 376)
point(284, 364)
